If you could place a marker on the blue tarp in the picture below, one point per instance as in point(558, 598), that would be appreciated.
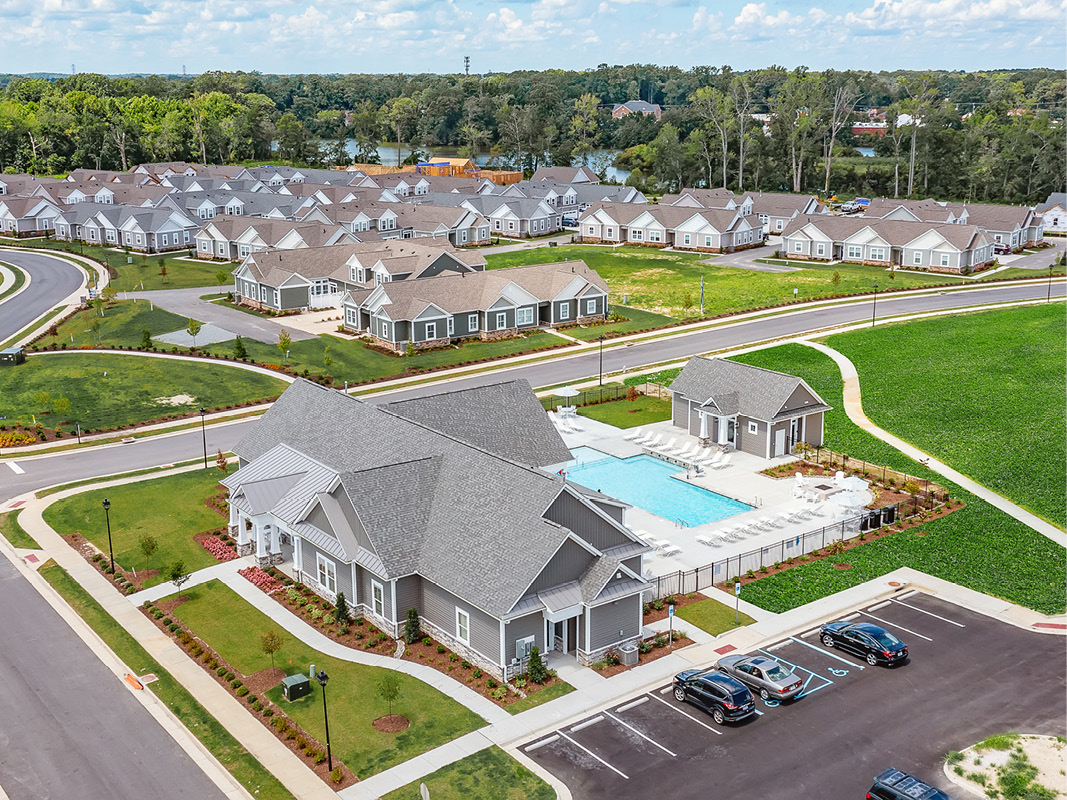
point(863, 201)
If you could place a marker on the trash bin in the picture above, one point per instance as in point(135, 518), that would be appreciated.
point(889, 515)
point(553, 243)
point(628, 655)
point(296, 686)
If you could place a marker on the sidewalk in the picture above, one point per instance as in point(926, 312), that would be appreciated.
point(854, 409)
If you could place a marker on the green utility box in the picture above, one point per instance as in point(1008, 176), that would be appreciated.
point(12, 356)
point(296, 686)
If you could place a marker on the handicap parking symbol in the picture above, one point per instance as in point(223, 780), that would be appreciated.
point(838, 672)
point(772, 703)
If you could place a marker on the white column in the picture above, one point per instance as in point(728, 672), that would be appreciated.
point(722, 430)
point(242, 525)
point(703, 424)
point(261, 540)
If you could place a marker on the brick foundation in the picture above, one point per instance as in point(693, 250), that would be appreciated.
point(429, 343)
point(503, 333)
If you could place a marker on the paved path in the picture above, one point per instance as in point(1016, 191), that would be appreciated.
point(187, 303)
point(854, 410)
point(52, 281)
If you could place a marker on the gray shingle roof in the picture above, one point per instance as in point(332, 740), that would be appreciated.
point(896, 232)
point(735, 388)
point(1054, 199)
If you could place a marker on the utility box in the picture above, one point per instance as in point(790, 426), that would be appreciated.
point(12, 356)
point(628, 655)
point(296, 686)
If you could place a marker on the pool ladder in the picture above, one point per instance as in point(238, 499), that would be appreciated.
point(681, 523)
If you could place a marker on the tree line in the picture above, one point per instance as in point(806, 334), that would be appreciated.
point(977, 136)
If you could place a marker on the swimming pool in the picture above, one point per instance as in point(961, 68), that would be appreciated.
point(646, 482)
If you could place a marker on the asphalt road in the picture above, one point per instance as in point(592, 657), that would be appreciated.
point(51, 280)
point(968, 677)
point(65, 467)
point(68, 728)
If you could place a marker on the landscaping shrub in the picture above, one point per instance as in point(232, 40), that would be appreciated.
point(242, 691)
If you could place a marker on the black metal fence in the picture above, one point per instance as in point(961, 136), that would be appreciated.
point(588, 397)
point(717, 572)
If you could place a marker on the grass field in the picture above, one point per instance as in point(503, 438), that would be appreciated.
point(539, 698)
point(233, 628)
point(988, 399)
point(669, 283)
point(489, 774)
point(624, 414)
point(106, 391)
point(242, 765)
point(977, 546)
point(170, 509)
point(711, 616)
point(636, 319)
point(13, 532)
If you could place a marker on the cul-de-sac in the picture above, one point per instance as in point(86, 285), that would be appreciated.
point(472, 402)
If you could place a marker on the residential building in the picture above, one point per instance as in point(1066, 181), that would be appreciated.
point(580, 174)
point(740, 407)
point(1053, 212)
point(621, 110)
point(520, 217)
point(146, 230)
point(777, 209)
point(27, 216)
point(1015, 226)
point(229, 238)
point(716, 230)
point(439, 505)
point(494, 304)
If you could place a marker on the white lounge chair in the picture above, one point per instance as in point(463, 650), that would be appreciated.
point(645, 438)
point(660, 544)
point(575, 427)
point(651, 444)
point(679, 449)
point(725, 461)
point(671, 550)
point(633, 436)
point(666, 448)
point(713, 459)
point(682, 453)
point(704, 540)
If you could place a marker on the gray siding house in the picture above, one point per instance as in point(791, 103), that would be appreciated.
point(757, 411)
point(440, 504)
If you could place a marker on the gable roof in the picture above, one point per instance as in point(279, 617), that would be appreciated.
point(1054, 199)
point(578, 174)
point(896, 232)
point(730, 387)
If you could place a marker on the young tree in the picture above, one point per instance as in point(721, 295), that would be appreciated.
point(193, 329)
point(221, 462)
point(631, 394)
point(222, 276)
point(239, 351)
point(285, 341)
point(146, 339)
point(536, 669)
point(327, 359)
point(178, 575)
point(340, 611)
point(389, 688)
point(163, 272)
point(270, 643)
point(148, 547)
point(412, 627)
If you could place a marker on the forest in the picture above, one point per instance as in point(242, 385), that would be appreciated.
point(977, 136)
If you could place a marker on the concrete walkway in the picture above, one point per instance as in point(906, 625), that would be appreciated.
point(854, 410)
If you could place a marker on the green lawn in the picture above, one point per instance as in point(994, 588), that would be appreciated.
point(238, 761)
point(122, 325)
point(977, 546)
point(539, 698)
point(13, 532)
point(170, 509)
point(711, 616)
point(233, 628)
point(624, 414)
point(988, 399)
point(489, 774)
point(16, 284)
point(635, 320)
point(663, 378)
point(669, 283)
point(110, 390)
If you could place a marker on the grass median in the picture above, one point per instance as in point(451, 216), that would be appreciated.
point(489, 774)
point(237, 761)
point(14, 533)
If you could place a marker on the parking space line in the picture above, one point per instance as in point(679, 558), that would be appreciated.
point(646, 738)
point(634, 704)
point(686, 714)
point(531, 747)
point(909, 593)
point(594, 755)
point(878, 606)
point(779, 658)
point(893, 624)
point(586, 724)
point(804, 692)
point(924, 611)
point(827, 653)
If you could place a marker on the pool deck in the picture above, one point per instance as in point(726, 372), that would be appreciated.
point(741, 480)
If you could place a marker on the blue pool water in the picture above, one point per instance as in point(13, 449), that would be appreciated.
point(646, 482)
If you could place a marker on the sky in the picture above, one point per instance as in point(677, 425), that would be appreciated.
point(389, 36)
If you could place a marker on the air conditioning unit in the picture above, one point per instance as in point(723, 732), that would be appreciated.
point(523, 647)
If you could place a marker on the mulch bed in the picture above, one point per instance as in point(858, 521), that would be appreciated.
point(646, 658)
point(100, 560)
point(252, 690)
point(655, 615)
point(392, 723)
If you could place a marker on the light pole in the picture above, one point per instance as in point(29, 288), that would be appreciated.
point(1048, 299)
point(322, 678)
point(203, 431)
point(107, 516)
point(601, 340)
point(874, 308)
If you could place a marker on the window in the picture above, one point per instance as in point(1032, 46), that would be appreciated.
point(472, 322)
point(590, 306)
point(609, 232)
point(637, 235)
point(996, 237)
point(854, 251)
point(524, 316)
point(777, 224)
point(564, 311)
point(385, 330)
point(204, 246)
point(820, 249)
point(653, 236)
point(244, 250)
point(463, 626)
point(917, 257)
point(327, 573)
point(707, 241)
point(592, 229)
point(350, 316)
point(877, 254)
point(501, 320)
point(944, 259)
point(798, 247)
point(163, 240)
point(377, 592)
point(451, 325)
point(431, 330)
point(186, 237)
point(753, 427)
point(511, 225)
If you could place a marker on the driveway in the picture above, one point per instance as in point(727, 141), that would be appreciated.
point(969, 676)
point(187, 303)
point(68, 727)
point(52, 280)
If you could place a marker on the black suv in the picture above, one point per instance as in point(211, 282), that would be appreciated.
point(892, 784)
point(876, 645)
point(725, 698)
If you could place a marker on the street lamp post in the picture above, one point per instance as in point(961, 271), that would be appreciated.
point(1048, 299)
point(601, 340)
point(322, 678)
point(874, 308)
point(203, 431)
point(107, 516)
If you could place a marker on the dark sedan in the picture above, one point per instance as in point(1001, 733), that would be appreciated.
point(726, 699)
point(876, 645)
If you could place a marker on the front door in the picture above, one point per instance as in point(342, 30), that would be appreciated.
point(795, 432)
point(559, 636)
point(779, 442)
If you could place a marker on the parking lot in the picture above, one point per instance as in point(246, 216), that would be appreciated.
point(968, 676)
